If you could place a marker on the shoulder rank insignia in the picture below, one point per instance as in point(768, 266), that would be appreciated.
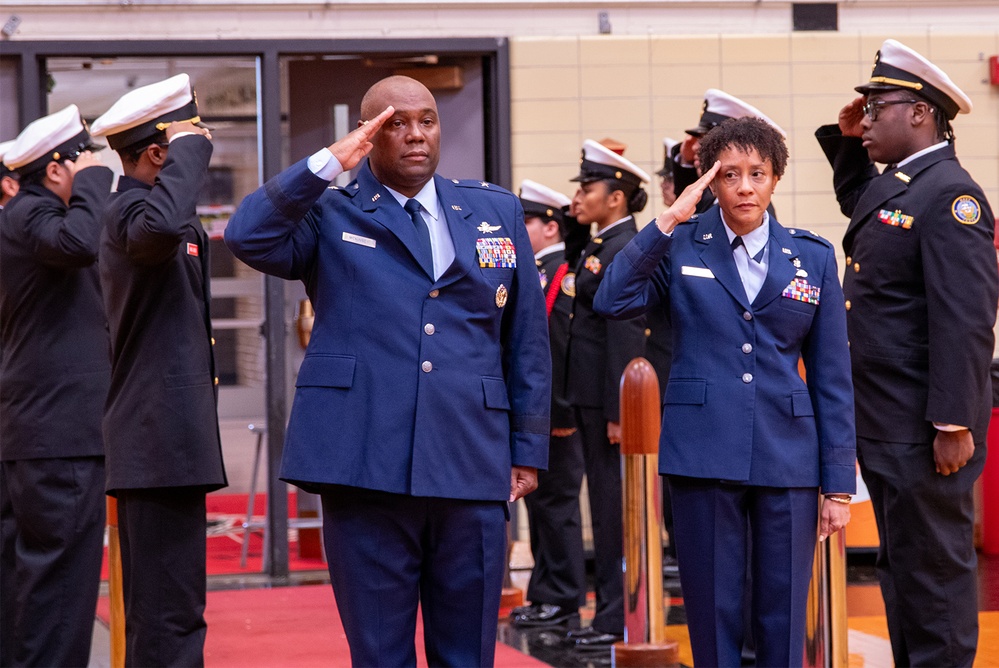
point(966, 210)
point(486, 228)
point(898, 219)
point(799, 289)
point(569, 284)
point(496, 253)
point(593, 264)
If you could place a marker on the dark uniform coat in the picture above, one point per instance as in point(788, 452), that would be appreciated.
point(921, 285)
point(54, 336)
point(161, 422)
point(437, 387)
point(600, 349)
point(54, 372)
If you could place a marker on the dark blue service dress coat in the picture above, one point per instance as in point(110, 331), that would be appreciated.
point(409, 385)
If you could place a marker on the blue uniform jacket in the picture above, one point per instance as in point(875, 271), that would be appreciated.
point(409, 385)
point(735, 407)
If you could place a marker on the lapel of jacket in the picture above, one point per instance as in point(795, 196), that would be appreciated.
point(780, 265)
point(891, 184)
point(597, 242)
point(460, 223)
point(373, 198)
point(715, 252)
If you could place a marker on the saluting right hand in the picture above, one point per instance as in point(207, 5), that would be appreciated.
point(686, 204)
point(177, 127)
point(850, 117)
point(84, 160)
point(351, 149)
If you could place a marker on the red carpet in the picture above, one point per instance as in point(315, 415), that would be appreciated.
point(290, 626)
point(226, 513)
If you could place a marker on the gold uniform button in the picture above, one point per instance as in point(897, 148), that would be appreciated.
point(216, 380)
point(849, 260)
point(848, 305)
point(434, 293)
point(648, 332)
point(213, 340)
point(571, 316)
point(856, 267)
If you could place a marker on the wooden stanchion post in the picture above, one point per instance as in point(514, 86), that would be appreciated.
point(645, 608)
point(116, 594)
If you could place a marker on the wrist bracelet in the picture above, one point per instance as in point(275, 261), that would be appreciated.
point(840, 498)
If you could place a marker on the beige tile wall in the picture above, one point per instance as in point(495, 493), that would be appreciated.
point(638, 89)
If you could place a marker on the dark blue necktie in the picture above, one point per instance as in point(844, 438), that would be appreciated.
point(426, 256)
point(739, 242)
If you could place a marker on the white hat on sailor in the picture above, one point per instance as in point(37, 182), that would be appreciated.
point(4, 147)
point(667, 169)
point(720, 106)
point(599, 162)
point(143, 113)
point(898, 67)
point(59, 136)
point(541, 201)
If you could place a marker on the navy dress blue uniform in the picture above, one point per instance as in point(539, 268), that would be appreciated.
point(744, 438)
point(160, 423)
point(921, 282)
point(558, 577)
point(599, 351)
point(54, 376)
point(435, 388)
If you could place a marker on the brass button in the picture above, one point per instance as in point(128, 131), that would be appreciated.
point(571, 316)
point(849, 260)
point(434, 293)
point(648, 332)
point(427, 367)
point(213, 340)
point(216, 380)
point(856, 267)
point(429, 328)
point(848, 305)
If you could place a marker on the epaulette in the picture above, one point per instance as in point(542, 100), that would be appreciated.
point(689, 221)
point(348, 191)
point(799, 233)
point(480, 185)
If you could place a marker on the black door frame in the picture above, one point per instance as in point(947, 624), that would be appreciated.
point(32, 104)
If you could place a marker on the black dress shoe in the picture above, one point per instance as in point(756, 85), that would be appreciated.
point(542, 614)
point(589, 638)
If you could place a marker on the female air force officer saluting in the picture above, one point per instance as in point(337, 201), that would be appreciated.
point(745, 441)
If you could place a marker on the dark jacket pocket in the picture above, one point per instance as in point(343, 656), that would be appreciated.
point(686, 392)
point(326, 371)
point(801, 404)
point(494, 391)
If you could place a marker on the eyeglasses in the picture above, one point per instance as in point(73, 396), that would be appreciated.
point(871, 108)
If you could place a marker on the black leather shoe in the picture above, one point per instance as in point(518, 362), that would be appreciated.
point(542, 614)
point(589, 638)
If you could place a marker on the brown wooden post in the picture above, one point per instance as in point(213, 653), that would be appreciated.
point(116, 594)
point(645, 608)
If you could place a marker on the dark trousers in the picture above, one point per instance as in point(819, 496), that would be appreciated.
point(712, 520)
point(389, 553)
point(52, 526)
point(163, 545)
point(926, 559)
point(559, 575)
point(603, 484)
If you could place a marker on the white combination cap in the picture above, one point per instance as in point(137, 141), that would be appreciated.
point(541, 201)
point(59, 136)
point(720, 106)
point(145, 112)
point(897, 67)
point(599, 162)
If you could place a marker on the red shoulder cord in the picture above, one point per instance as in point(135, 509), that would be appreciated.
point(555, 286)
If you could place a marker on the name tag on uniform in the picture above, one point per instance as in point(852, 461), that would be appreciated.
point(360, 241)
point(701, 272)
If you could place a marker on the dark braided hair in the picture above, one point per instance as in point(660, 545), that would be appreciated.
point(745, 134)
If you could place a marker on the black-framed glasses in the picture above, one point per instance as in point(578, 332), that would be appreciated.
point(872, 107)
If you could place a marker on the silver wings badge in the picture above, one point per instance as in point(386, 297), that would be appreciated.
point(486, 228)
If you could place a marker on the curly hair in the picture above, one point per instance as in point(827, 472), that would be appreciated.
point(745, 133)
